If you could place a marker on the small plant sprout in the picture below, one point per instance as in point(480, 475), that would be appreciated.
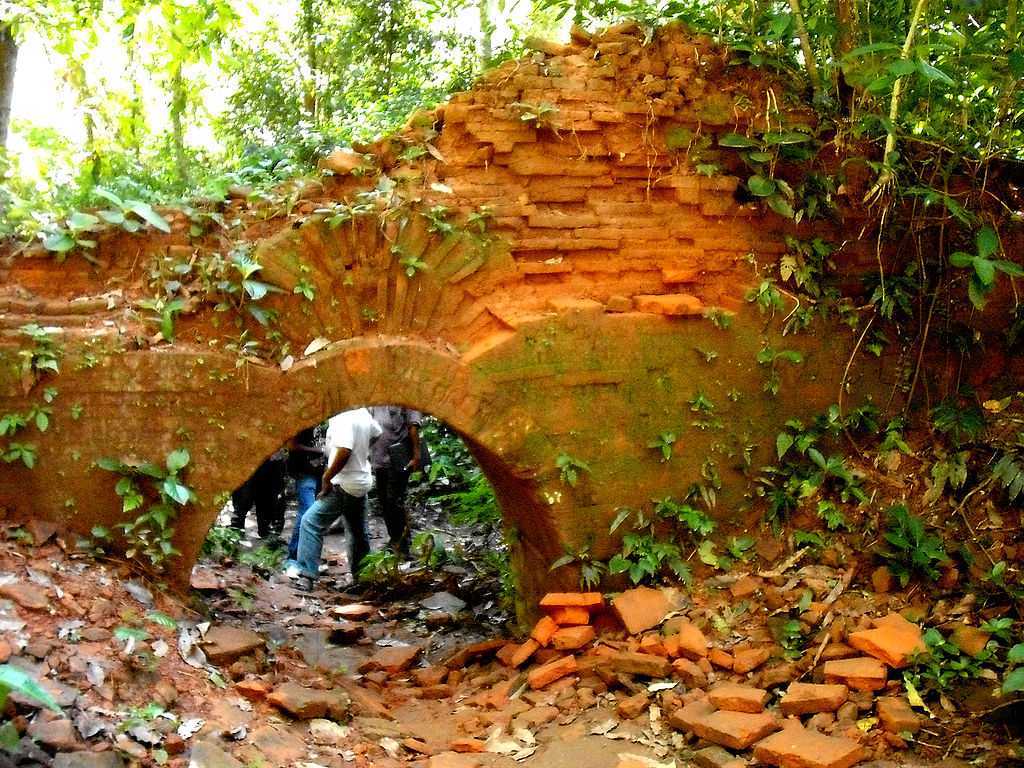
point(540, 115)
point(664, 443)
point(570, 468)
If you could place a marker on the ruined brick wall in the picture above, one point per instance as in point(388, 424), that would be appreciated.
point(550, 287)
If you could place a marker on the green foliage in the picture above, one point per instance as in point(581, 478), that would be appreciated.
point(540, 115)
point(960, 418)
point(945, 665)
point(911, 551)
point(570, 468)
point(15, 680)
point(222, 543)
point(762, 154)
point(151, 496)
point(769, 359)
point(1014, 680)
point(429, 548)
point(379, 568)
point(591, 571)
point(664, 443)
point(983, 268)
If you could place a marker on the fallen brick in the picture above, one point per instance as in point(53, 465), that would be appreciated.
point(524, 652)
point(693, 644)
point(684, 717)
point(570, 615)
point(720, 658)
point(810, 698)
point(467, 746)
point(738, 698)
point(690, 673)
point(716, 757)
point(393, 660)
point(894, 640)
point(634, 706)
point(970, 640)
point(750, 659)
point(417, 746)
point(548, 673)
point(572, 638)
point(797, 747)
point(589, 600)
point(896, 716)
point(653, 644)
point(861, 674)
point(736, 730)
point(630, 663)
point(544, 630)
point(641, 608)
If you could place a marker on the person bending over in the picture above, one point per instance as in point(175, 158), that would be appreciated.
point(345, 483)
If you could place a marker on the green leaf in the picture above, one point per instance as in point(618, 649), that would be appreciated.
point(562, 561)
point(59, 242)
point(162, 619)
point(176, 491)
point(977, 292)
point(781, 206)
point(618, 564)
point(14, 679)
point(933, 73)
point(760, 186)
point(1016, 654)
point(620, 518)
point(1008, 268)
point(112, 217)
point(902, 67)
point(109, 196)
point(706, 553)
point(177, 460)
point(961, 259)
point(987, 241)
point(82, 221)
point(737, 141)
point(145, 212)
point(783, 443)
point(985, 270)
point(1014, 682)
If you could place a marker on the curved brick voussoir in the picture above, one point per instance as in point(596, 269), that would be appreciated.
point(537, 262)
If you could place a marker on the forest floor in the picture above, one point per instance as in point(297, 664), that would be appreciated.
point(245, 670)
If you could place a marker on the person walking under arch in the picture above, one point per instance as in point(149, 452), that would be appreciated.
point(395, 456)
point(345, 483)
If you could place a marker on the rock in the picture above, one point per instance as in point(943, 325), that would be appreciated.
point(277, 746)
point(429, 676)
point(474, 651)
point(393, 660)
point(206, 754)
point(894, 640)
point(58, 735)
point(690, 673)
point(39, 649)
point(630, 663)
point(720, 658)
point(252, 689)
point(641, 608)
point(5, 651)
point(861, 673)
point(96, 634)
point(452, 760)
point(634, 706)
point(445, 602)
point(882, 580)
point(345, 632)
point(225, 645)
point(108, 759)
point(738, 698)
point(736, 730)
point(716, 757)
point(205, 580)
point(308, 703)
point(796, 747)
point(809, 698)
point(537, 716)
point(896, 715)
point(572, 638)
point(692, 642)
point(354, 611)
point(548, 673)
point(970, 640)
point(41, 530)
point(778, 674)
point(26, 595)
point(750, 659)
point(745, 587)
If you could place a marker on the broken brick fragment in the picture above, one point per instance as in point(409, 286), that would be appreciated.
point(692, 642)
point(468, 745)
point(736, 730)
point(572, 638)
point(392, 660)
point(570, 615)
point(862, 673)
point(684, 717)
point(524, 652)
point(690, 673)
point(548, 673)
point(738, 698)
point(544, 630)
point(811, 698)
point(894, 640)
point(634, 706)
point(896, 715)
point(641, 608)
point(716, 757)
point(720, 658)
point(750, 659)
point(797, 747)
point(652, 643)
point(630, 663)
point(588, 600)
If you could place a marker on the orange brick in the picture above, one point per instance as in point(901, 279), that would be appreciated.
point(693, 644)
point(861, 674)
point(736, 730)
point(738, 698)
point(797, 746)
point(570, 615)
point(572, 638)
point(896, 715)
point(590, 600)
point(894, 640)
point(720, 658)
point(745, 661)
point(653, 644)
point(641, 608)
point(524, 652)
point(467, 745)
point(811, 698)
point(644, 664)
point(550, 672)
point(544, 630)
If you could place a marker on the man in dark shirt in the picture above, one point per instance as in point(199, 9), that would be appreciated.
point(394, 456)
point(265, 491)
point(306, 464)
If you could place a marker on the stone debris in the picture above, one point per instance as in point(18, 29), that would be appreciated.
point(641, 608)
point(225, 645)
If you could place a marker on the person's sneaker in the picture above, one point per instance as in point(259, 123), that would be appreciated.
point(292, 571)
point(324, 567)
point(304, 583)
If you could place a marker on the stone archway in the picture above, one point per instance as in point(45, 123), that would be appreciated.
point(561, 285)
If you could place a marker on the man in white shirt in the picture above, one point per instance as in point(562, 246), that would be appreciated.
point(346, 481)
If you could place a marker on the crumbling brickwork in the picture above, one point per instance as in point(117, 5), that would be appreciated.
point(537, 262)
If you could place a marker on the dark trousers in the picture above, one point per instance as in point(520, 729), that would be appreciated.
point(318, 519)
point(391, 487)
point(265, 491)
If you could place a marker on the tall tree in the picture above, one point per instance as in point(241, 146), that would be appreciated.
point(8, 65)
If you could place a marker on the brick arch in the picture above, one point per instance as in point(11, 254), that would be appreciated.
point(580, 318)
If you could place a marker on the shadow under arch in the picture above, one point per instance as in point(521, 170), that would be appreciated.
point(414, 374)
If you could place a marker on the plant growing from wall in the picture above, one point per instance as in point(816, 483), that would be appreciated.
point(155, 494)
point(911, 550)
point(592, 571)
point(664, 443)
point(570, 468)
point(983, 269)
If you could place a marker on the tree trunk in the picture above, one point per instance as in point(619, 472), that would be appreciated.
point(486, 31)
point(805, 46)
point(1012, 12)
point(179, 99)
point(846, 41)
point(8, 64)
point(309, 23)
